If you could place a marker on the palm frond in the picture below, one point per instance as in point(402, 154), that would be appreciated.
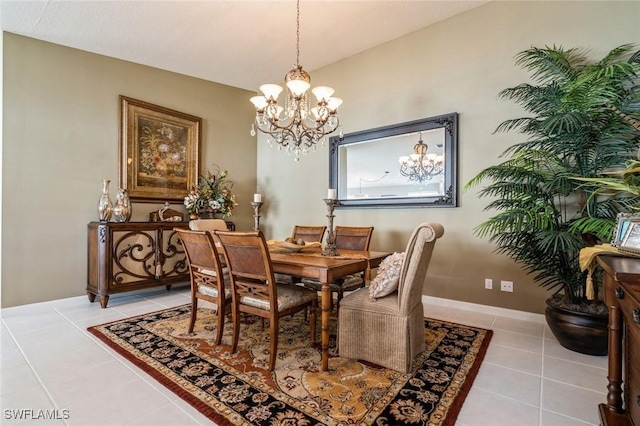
point(551, 194)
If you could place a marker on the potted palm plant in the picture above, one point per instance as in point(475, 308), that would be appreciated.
point(577, 127)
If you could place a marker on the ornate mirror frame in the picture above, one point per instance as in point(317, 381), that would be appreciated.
point(364, 166)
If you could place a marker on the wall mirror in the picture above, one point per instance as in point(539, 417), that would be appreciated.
point(410, 164)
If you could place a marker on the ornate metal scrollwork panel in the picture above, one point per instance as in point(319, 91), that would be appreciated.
point(134, 256)
point(173, 258)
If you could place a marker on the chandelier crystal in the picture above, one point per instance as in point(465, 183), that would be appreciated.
point(295, 126)
point(420, 167)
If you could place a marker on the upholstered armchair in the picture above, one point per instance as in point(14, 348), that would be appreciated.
point(389, 331)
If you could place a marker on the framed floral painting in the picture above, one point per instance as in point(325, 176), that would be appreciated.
point(159, 151)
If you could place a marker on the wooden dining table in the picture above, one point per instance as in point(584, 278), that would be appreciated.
point(326, 269)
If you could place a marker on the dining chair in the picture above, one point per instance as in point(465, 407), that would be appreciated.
point(388, 329)
point(208, 225)
point(208, 280)
point(309, 234)
point(255, 291)
point(212, 225)
point(348, 238)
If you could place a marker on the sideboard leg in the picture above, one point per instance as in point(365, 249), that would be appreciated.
point(168, 286)
point(104, 300)
point(91, 296)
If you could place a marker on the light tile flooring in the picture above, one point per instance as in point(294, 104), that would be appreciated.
point(48, 361)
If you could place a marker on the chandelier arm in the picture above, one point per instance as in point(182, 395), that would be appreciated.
point(284, 136)
point(319, 128)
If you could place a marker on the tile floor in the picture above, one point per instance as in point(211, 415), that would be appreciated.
point(48, 361)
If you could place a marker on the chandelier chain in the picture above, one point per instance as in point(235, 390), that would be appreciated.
point(298, 33)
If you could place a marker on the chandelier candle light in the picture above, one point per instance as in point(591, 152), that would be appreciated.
point(296, 127)
point(420, 166)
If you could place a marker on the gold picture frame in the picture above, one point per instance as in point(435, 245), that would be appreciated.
point(159, 151)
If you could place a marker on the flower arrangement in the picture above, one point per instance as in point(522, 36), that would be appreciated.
point(212, 194)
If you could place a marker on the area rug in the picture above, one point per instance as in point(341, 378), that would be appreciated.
point(238, 389)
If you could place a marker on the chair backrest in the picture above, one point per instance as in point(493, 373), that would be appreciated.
point(353, 237)
point(249, 265)
point(208, 225)
point(211, 225)
point(201, 251)
point(309, 234)
point(416, 262)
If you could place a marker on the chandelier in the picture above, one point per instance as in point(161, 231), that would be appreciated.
point(420, 166)
point(294, 126)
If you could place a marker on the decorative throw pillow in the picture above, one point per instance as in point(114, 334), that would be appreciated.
point(388, 277)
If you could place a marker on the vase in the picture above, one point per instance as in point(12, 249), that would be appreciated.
point(121, 211)
point(127, 203)
point(105, 206)
point(208, 213)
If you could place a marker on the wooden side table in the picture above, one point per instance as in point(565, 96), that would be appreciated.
point(622, 296)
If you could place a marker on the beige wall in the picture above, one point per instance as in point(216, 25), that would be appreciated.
point(60, 137)
point(457, 65)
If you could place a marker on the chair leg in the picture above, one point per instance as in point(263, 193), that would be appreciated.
point(194, 311)
point(312, 321)
point(236, 327)
point(221, 311)
point(274, 342)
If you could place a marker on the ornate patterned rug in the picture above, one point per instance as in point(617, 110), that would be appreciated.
point(238, 389)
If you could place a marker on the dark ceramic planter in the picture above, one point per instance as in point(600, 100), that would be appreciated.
point(578, 331)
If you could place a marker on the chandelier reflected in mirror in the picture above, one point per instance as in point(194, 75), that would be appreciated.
point(420, 167)
point(295, 126)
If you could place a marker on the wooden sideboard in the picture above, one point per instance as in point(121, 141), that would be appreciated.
point(133, 256)
point(622, 296)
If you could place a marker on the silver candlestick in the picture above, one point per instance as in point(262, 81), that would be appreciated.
point(330, 247)
point(256, 215)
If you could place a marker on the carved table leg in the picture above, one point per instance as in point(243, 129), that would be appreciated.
point(324, 324)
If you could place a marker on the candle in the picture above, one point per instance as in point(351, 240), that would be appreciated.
point(331, 194)
point(257, 198)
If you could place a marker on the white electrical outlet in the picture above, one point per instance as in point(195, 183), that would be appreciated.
point(506, 286)
point(488, 283)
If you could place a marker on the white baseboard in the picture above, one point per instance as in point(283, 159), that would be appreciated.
point(484, 309)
